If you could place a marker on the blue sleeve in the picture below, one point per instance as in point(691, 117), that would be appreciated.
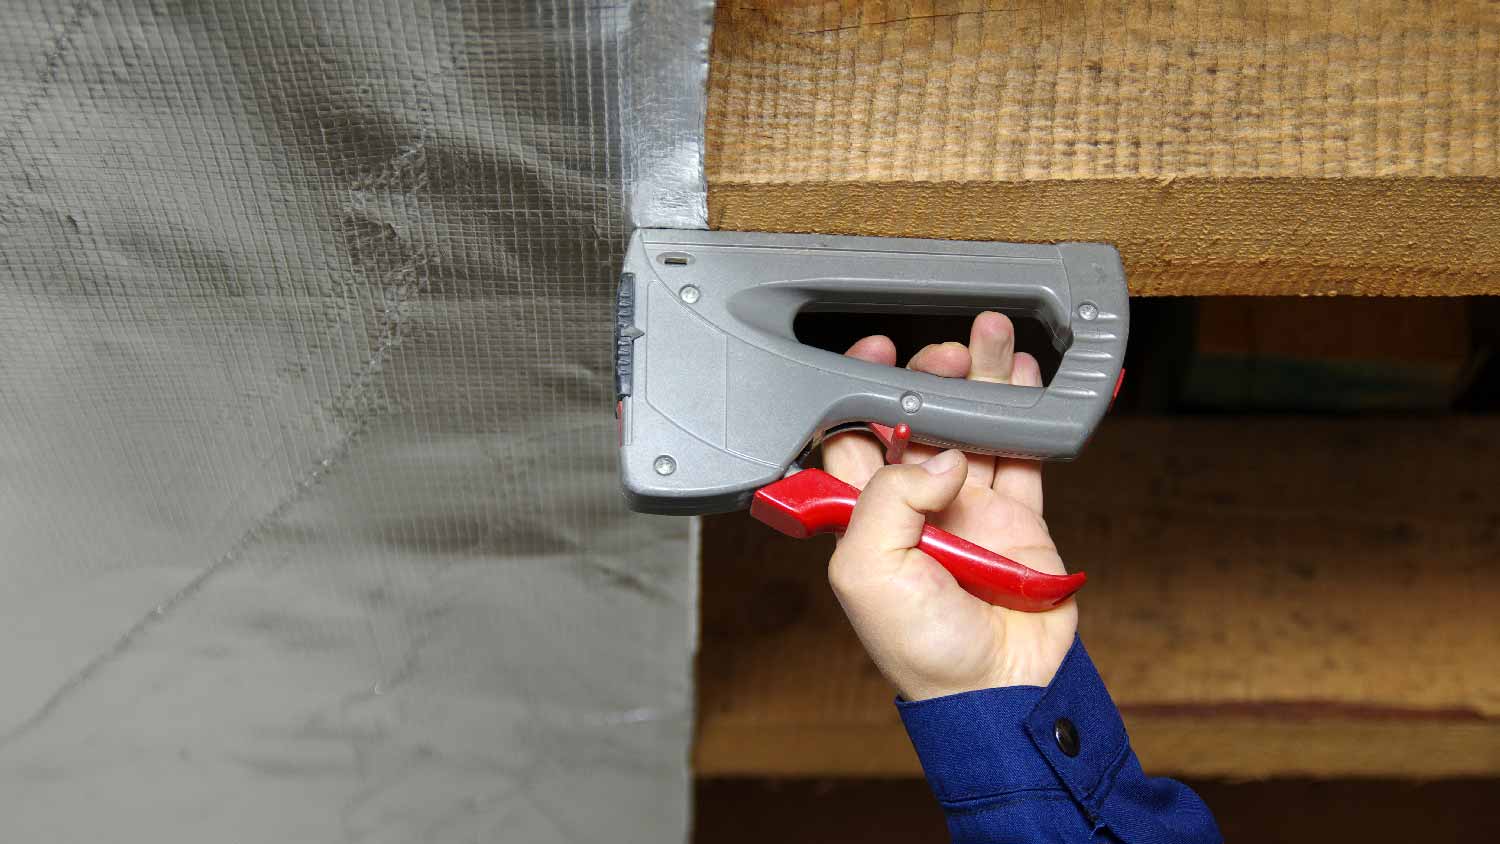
point(1031, 764)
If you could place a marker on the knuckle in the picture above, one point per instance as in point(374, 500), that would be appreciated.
point(899, 474)
point(894, 483)
point(885, 479)
point(842, 572)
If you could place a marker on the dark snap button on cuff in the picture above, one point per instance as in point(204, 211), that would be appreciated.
point(1066, 735)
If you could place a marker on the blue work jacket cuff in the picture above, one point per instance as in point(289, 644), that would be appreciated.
point(987, 744)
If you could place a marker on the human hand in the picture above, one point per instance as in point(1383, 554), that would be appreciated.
point(926, 634)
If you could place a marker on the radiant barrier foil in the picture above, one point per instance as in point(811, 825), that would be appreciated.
point(309, 522)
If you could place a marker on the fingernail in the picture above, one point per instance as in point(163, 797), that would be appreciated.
point(943, 463)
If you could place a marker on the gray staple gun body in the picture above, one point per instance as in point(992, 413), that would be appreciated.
point(717, 397)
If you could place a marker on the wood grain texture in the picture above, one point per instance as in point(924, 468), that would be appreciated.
point(1256, 148)
point(1266, 598)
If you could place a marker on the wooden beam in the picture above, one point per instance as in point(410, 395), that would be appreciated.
point(1267, 597)
point(1249, 148)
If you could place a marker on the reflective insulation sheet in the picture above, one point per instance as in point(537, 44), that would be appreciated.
point(309, 523)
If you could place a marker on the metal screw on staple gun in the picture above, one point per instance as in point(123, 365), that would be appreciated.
point(689, 294)
point(911, 402)
point(665, 465)
point(1088, 310)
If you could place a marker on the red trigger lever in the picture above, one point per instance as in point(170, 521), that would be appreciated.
point(894, 439)
point(812, 501)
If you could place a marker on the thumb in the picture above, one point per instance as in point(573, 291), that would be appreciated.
point(892, 508)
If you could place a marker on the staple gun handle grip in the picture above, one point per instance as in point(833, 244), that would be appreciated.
point(1077, 291)
point(812, 502)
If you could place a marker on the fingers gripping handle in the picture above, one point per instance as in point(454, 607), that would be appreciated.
point(1079, 294)
point(813, 501)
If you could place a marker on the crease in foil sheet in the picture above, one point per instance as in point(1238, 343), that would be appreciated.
point(308, 503)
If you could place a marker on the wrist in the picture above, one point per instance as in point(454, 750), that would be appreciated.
point(1001, 678)
point(1028, 649)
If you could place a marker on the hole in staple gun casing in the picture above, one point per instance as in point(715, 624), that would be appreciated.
point(836, 331)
